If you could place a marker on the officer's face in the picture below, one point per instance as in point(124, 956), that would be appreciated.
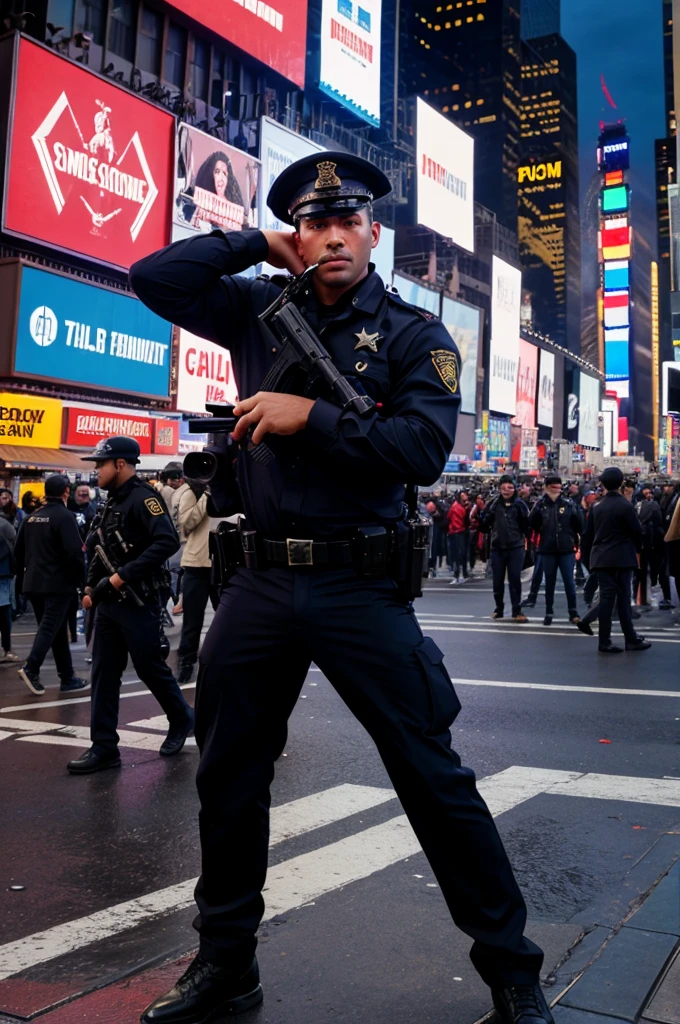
point(340, 245)
point(107, 471)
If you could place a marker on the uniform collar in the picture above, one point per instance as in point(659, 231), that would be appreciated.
point(364, 297)
point(124, 489)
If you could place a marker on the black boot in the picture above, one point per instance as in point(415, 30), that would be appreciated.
point(177, 736)
point(206, 992)
point(521, 1004)
point(185, 669)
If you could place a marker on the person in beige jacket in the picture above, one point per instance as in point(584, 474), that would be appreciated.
point(194, 525)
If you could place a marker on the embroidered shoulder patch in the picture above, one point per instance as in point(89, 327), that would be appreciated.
point(446, 365)
point(154, 506)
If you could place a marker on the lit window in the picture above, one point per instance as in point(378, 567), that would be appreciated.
point(456, 106)
point(455, 88)
point(445, 110)
point(447, 24)
point(468, 20)
point(458, 22)
point(480, 17)
point(468, 103)
point(437, 28)
point(480, 103)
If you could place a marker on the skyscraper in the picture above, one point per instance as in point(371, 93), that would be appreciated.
point(548, 190)
point(463, 57)
point(540, 18)
point(665, 153)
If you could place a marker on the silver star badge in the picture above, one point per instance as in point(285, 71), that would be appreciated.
point(367, 340)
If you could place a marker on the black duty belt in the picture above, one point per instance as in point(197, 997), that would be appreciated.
point(294, 552)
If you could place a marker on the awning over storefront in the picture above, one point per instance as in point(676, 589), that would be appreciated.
point(14, 456)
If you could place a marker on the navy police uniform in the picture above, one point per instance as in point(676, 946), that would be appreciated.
point(137, 535)
point(343, 471)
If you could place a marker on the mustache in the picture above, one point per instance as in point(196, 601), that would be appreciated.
point(329, 257)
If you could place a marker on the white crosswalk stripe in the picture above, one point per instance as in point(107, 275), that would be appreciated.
point(309, 876)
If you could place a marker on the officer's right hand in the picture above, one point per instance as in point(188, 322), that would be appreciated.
point(86, 602)
point(283, 251)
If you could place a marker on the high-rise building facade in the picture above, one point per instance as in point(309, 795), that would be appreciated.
point(464, 58)
point(666, 162)
point(540, 18)
point(548, 223)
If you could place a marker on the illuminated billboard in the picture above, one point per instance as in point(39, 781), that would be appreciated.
point(614, 150)
point(546, 390)
point(279, 148)
point(463, 323)
point(589, 409)
point(425, 298)
point(525, 414)
point(445, 177)
point(89, 169)
point(615, 199)
point(670, 396)
point(215, 185)
point(616, 275)
point(275, 33)
point(506, 294)
point(350, 55)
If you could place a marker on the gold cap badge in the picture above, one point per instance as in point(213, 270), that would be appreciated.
point(327, 176)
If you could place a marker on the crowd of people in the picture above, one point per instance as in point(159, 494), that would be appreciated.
point(549, 526)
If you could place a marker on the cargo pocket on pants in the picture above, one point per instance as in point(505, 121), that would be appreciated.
point(444, 704)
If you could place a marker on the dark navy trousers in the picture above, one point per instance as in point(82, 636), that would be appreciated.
point(270, 625)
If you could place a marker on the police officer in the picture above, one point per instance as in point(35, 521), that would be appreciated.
point(135, 538)
point(337, 478)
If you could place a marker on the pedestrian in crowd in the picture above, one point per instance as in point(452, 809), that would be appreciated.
point(9, 510)
point(50, 568)
point(627, 490)
point(83, 508)
point(137, 538)
point(335, 474)
point(506, 518)
point(558, 523)
point(477, 538)
point(653, 551)
point(672, 539)
point(524, 494)
point(7, 573)
point(29, 503)
point(590, 499)
point(437, 509)
point(172, 488)
point(194, 522)
point(458, 540)
point(611, 540)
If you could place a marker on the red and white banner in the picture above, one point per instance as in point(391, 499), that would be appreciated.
point(165, 437)
point(86, 427)
point(274, 32)
point(525, 414)
point(204, 374)
point(91, 166)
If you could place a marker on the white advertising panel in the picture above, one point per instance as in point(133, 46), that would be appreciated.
point(546, 390)
point(610, 412)
point(445, 169)
point(383, 254)
point(350, 55)
point(589, 408)
point(204, 374)
point(463, 323)
point(670, 395)
point(506, 294)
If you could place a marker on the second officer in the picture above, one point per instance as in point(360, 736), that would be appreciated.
point(125, 580)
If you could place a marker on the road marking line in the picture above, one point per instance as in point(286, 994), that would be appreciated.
point(159, 722)
point(662, 792)
point(5, 735)
point(36, 706)
point(565, 688)
point(521, 630)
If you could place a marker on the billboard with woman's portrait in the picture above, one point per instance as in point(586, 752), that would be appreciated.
point(215, 185)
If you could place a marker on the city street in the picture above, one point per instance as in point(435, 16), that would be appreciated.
point(579, 760)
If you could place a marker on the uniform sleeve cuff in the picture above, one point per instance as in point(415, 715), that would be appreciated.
point(323, 424)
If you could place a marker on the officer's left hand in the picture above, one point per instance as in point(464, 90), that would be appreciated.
point(273, 413)
point(116, 581)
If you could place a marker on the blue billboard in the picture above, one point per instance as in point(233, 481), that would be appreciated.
point(75, 332)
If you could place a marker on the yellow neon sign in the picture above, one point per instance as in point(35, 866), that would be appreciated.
point(539, 172)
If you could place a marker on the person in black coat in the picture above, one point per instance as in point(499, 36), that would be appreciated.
point(506, 517)
point(557, 521)
point(653, 553)
point(50, 568)
point(611, 540)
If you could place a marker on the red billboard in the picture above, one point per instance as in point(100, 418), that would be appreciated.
point(525, 415)
point(90, 167)
point(165, 437)
point(274, 33)
point(85, 427)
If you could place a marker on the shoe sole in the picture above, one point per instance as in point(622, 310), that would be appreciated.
point(30, 684)
point(91, 771)
point(229, 1008)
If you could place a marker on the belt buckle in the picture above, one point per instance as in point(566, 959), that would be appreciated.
point(299, 551)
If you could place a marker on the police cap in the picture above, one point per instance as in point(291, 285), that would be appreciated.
point(114, 448)
point(330, 183)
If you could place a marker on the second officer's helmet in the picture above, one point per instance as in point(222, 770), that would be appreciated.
point(115, 448)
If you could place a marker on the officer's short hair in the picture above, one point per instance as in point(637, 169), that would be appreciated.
point(56, 484)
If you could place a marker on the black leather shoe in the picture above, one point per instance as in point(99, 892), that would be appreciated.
point(610, 649)
point(185, 670)
point(206, 992)
point(176, 738)
point(640, 645)
point(521, 1004)
point(91, 761)
point(529, 602)
point(547, 621)
point(585, 627)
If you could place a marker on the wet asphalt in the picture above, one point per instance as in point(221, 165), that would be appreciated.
point(382, 948)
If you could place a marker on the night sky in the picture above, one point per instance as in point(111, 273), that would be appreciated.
point(623, 40)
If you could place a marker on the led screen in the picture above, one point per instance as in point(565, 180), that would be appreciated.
point(614, 199)
point(445, 179)
point(463, 324)
point(616, 275)
point(350, 55)
point(506, 293)
point(589, 407)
